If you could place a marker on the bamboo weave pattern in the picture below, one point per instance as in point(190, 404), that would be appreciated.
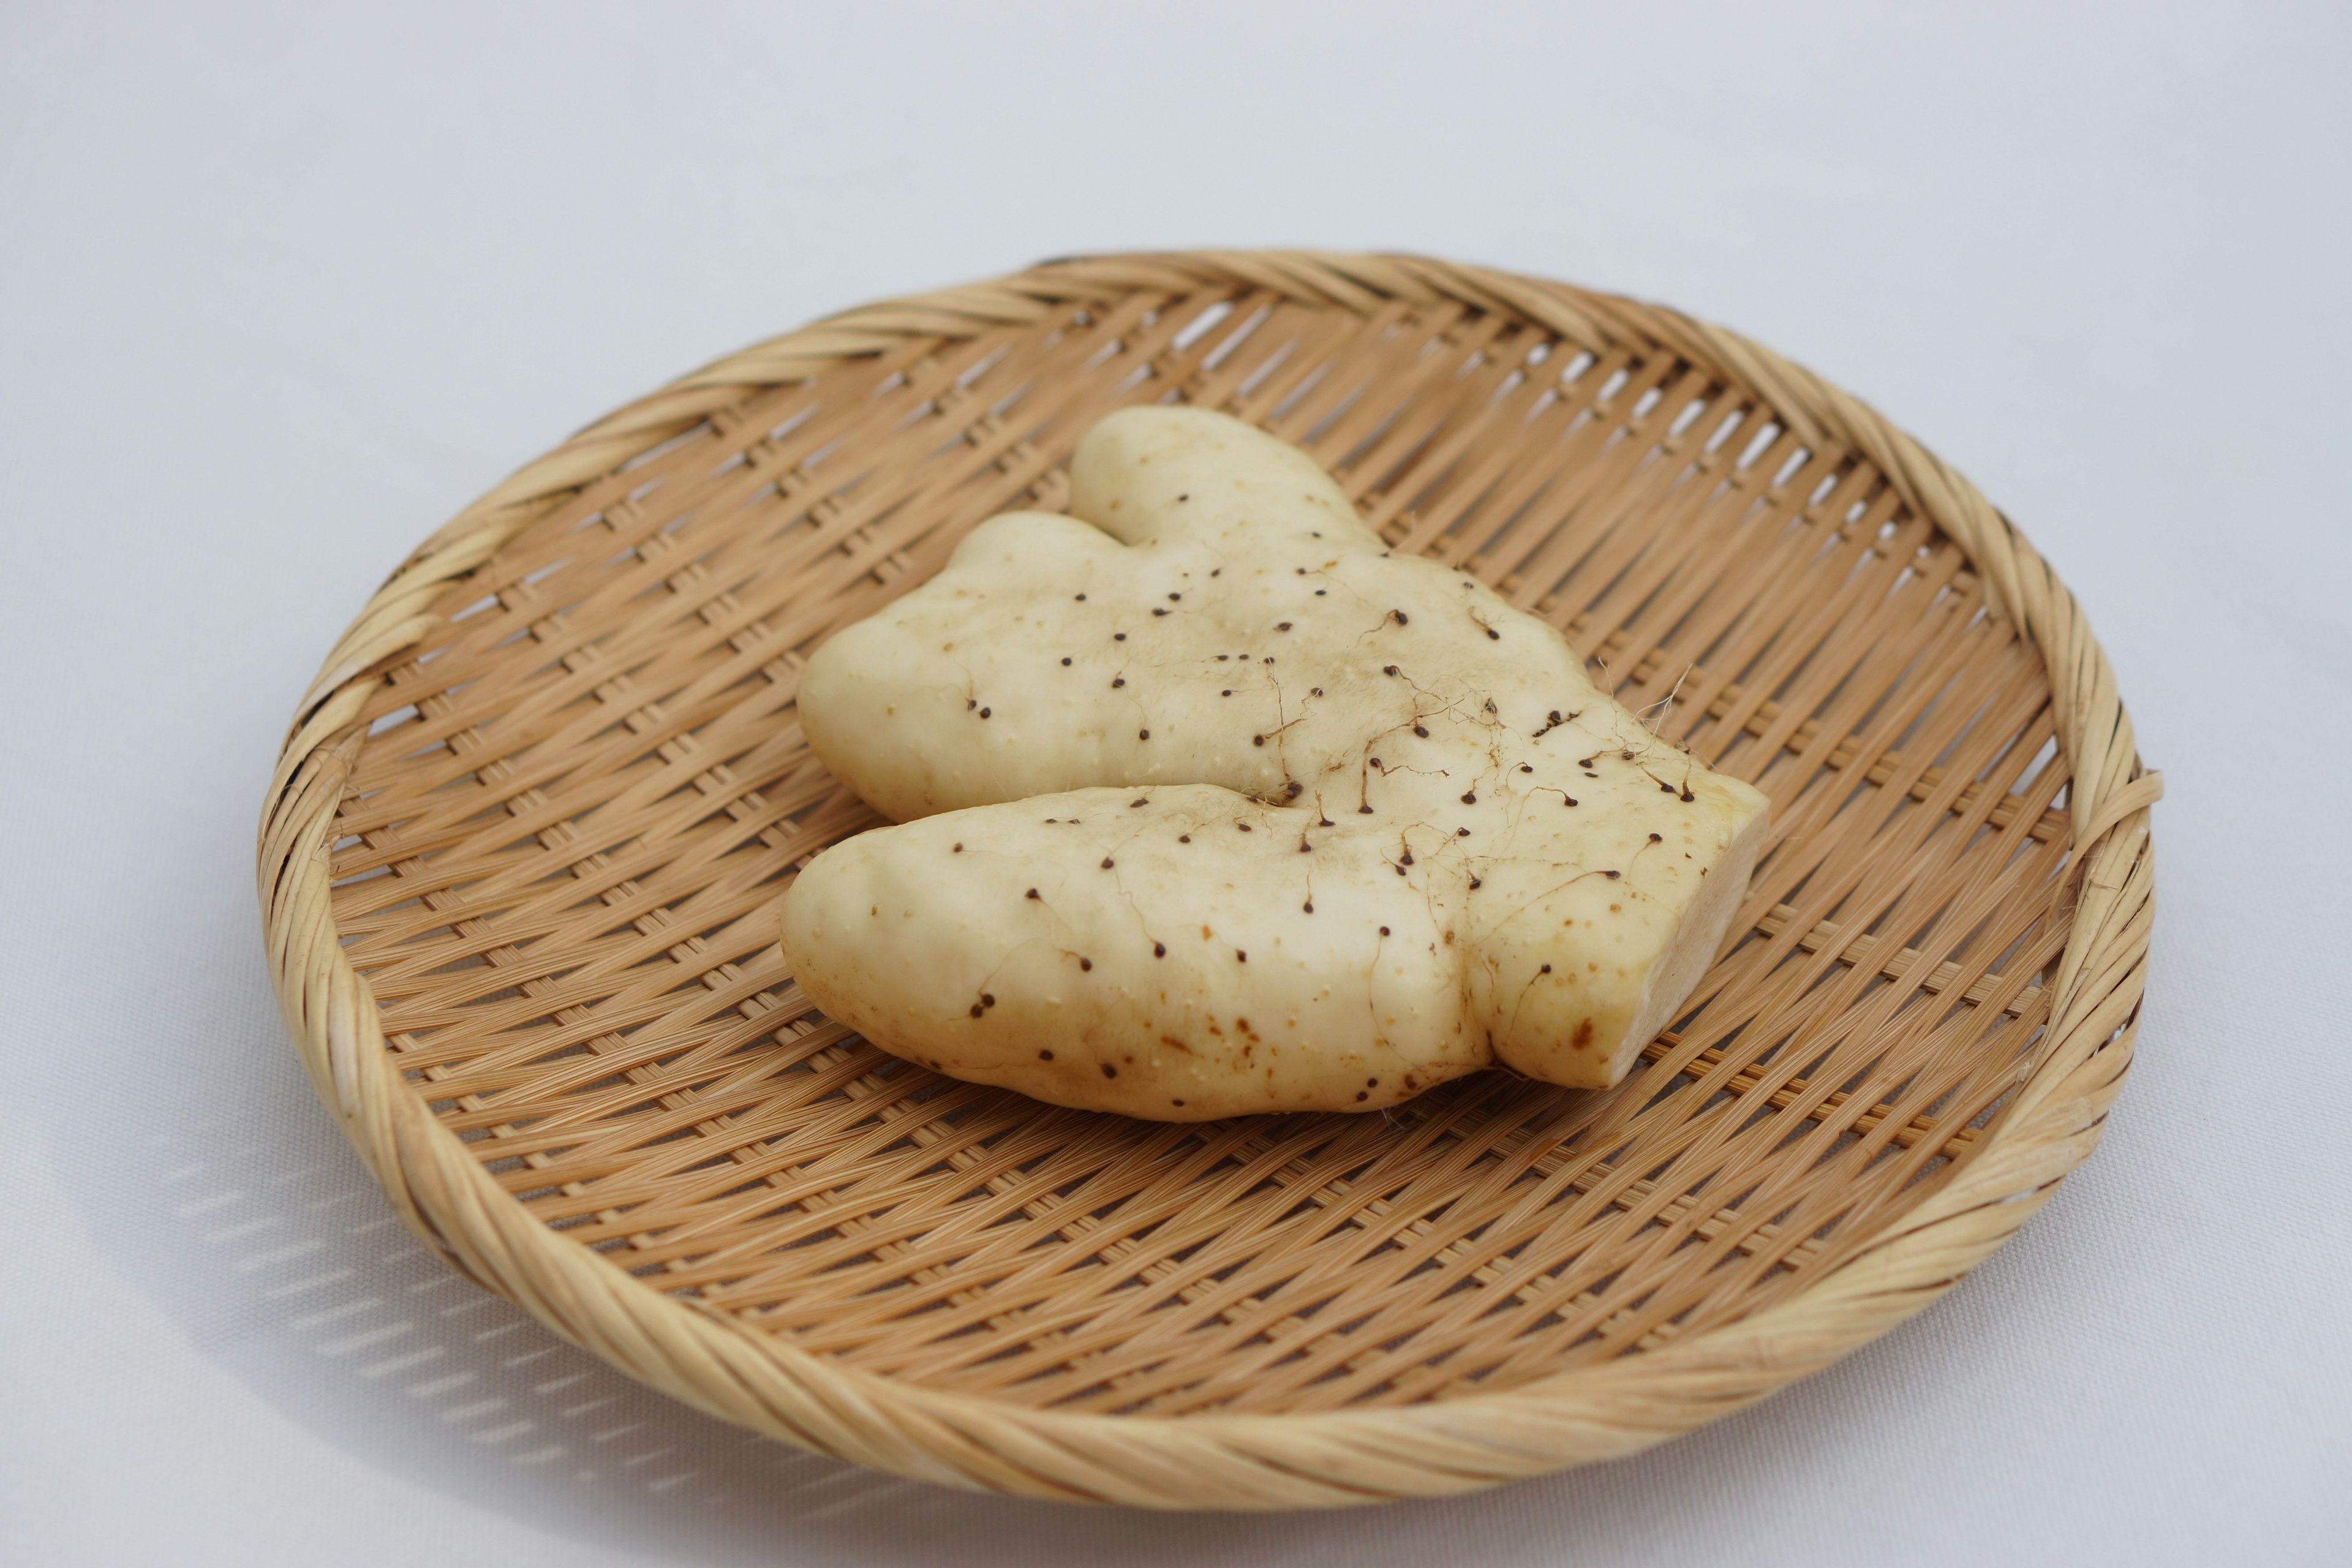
point(524, 845)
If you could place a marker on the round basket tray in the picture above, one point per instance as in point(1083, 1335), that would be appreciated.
point(523, 856)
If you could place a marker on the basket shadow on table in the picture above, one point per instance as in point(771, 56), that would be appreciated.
point(266, 1239)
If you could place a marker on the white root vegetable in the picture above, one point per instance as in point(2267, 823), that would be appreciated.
point(1209, 805)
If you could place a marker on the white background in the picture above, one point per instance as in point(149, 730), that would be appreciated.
point(280, 289)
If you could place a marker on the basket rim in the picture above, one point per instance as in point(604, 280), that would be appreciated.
point(2051, 1122)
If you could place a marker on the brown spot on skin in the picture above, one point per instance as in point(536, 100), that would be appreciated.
point(1032, 893)
point(1308, 907)
point(1362, 1095)
point(1282, 626)
point(1177, 1102)
point(956, 849)
point(976, 1009)
point(1139, 800)
point(987, 999)
point(1143, 734)
point(1044, 1055)
point(1109, 1070)
point(1158, 950)
point(1384, 930)
point(1066, 661)
point(1470, 797)
point(983, 713)
point(1545, 970)
point(1584, 1036)
point(1118, 681)
point(1183, 838)
point(1106, 865)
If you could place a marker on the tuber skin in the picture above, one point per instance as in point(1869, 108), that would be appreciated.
point(1209, 805)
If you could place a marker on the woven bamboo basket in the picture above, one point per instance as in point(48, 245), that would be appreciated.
point(523, 853)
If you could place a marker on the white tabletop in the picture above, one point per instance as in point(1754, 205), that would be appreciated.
point(281, 289)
